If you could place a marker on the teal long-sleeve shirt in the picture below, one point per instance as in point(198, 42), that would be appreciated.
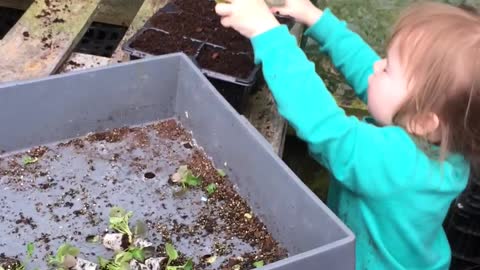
point(389, 192)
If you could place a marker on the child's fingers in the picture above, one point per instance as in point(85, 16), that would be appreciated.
point(223, 9)
point(226, 22)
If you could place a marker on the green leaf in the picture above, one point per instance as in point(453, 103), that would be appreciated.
point(30, 250)
point(123, 257)
point(258, 264)
point(220, 1)
point(103, 262)
point(171, 253)
point(29, 160)
point(221, 172)
point(138, 254)
point(188, 265)
point(192, 181)
point(211, 188)
point(117, 212)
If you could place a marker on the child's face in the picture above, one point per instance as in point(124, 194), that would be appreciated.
point(387, 88)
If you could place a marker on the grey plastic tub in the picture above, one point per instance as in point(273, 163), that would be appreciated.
point(66, 106)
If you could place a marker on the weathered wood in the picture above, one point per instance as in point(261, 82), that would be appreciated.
point(80, 61)
point(262, 111)
point(117, 12)
point(146, 11)
point(45, 35)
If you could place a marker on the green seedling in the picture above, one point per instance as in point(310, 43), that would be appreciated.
point(172, 255)
point(29, 160)
point(258, 264)
point(221, 172)
point(119, 221)
point(121, 261)
point(137, 253)
point(185, 177)
point(211, 188)
point(65, 257)
point(30, 250)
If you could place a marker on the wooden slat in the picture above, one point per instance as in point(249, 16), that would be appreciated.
point(117, 12)
point(37, 45)
point(80, 61)
point(148, 8)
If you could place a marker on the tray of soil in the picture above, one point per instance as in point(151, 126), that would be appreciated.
point(144, 165)
point(151, 41)
point(180, 23)
point(232, 74)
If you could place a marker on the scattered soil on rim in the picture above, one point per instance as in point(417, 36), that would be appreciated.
point(158, 43)
point(220, 60)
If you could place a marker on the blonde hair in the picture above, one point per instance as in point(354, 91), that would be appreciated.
point(439, 47)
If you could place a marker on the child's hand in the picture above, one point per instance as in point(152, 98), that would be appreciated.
point(303, 11)
point(249, 17)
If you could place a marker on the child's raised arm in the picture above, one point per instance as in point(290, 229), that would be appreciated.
point(350, 54)
point(360, 155)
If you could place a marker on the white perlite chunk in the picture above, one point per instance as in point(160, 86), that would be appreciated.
point(85, 265)
point(113, 241)
point(142, 243)
point(136, 265)
point(150, 264)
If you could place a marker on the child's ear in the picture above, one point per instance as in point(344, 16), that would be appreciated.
point(423, 125)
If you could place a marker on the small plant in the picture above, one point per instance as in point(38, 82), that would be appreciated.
point(172, 255)
point(29, 160)
point(221, 172)
point(65, 257)
point(185, 177)
point(119, 221)
point(30, 250)
point(211, 188)
point(258, 264)
point(121, 261)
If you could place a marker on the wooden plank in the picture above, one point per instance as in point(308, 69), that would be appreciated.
point(146, 11)
point(80, 61)
point(262, 112)
point(48, 31)
point(117, 12)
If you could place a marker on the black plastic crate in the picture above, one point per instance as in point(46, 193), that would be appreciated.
point(236, 94)
point(462, 226)
point(101, 39)
point(8, 18)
